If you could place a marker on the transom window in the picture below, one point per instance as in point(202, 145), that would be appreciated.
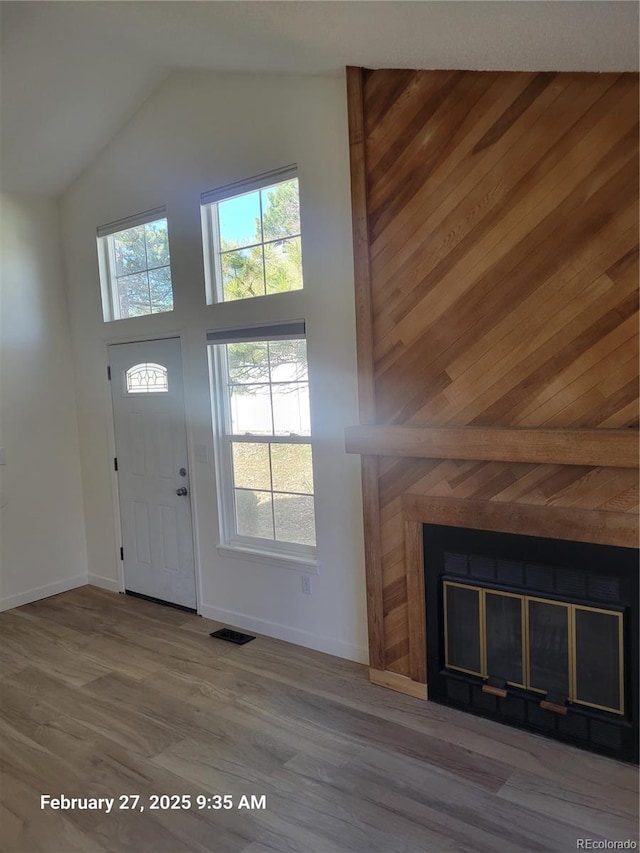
point(135, 267)
point(252, 238)
point(264, 440)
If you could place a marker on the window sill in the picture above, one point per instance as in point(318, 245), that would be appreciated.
point(281, 561)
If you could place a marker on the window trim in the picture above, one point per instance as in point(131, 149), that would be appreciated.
point(259, 182)
point(214, 293)
point(284, 554)
point(107, 261)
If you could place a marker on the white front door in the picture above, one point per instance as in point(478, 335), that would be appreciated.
point(153, 478)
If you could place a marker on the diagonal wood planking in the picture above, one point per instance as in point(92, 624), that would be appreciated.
point(503, 249)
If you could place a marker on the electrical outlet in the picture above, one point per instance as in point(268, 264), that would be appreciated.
point(306, 584)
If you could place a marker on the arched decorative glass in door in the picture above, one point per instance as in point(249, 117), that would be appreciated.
point(146, 378)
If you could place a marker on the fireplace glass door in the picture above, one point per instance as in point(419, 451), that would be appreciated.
point(568, 652)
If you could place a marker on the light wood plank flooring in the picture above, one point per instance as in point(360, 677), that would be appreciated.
point(103, 695)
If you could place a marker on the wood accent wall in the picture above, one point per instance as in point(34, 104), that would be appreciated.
point(496, 243)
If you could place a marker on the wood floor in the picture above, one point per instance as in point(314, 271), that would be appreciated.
point(103, 695)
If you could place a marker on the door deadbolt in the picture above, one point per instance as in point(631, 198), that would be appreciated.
point(183, 472)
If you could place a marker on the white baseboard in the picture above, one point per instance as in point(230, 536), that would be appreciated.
point(104, 583)
point(319, 643)
point(42, 592)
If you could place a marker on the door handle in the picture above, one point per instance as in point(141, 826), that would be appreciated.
point(181, 492)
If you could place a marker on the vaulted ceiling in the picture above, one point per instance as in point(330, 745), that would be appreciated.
point(73, 73)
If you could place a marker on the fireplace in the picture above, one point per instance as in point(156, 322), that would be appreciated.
point(537, 633)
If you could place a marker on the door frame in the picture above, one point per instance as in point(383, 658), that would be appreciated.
point(112, 340)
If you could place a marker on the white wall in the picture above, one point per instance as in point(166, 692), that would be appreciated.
point(198, 132)
point(42, 542)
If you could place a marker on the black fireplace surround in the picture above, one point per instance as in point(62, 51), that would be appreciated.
point(541, 634)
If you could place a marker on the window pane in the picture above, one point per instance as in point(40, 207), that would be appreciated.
point(254, 516)
point(251, 468)
point(129, 249)
point(135, 271)
point(251, 410)
point(248, 362)
point(292, 471)
point(157, 239)
point(281, 210)
point(239, 220)
point(288, 361)
point(291, 408)
point(295, 521)
point(242, 274)
point(256, 236)
point(283, 265)
point(147, 377)
point(272, 481)
point(133, 295)
point(160, 290)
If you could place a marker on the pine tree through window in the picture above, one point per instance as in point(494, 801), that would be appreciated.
point(259, 377)
point(252, 237)
point(264, 441)
point(135, 267)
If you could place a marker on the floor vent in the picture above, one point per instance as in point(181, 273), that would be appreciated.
point(232, 636)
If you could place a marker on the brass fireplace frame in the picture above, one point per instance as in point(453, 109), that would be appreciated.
point(525, 599)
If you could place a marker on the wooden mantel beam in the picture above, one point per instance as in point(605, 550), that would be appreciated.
point(578, 525)
point(610, 448)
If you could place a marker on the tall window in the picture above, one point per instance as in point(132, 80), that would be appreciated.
point(252, 238)
point(135, 267)
point(260, 383)
point(264, 438)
